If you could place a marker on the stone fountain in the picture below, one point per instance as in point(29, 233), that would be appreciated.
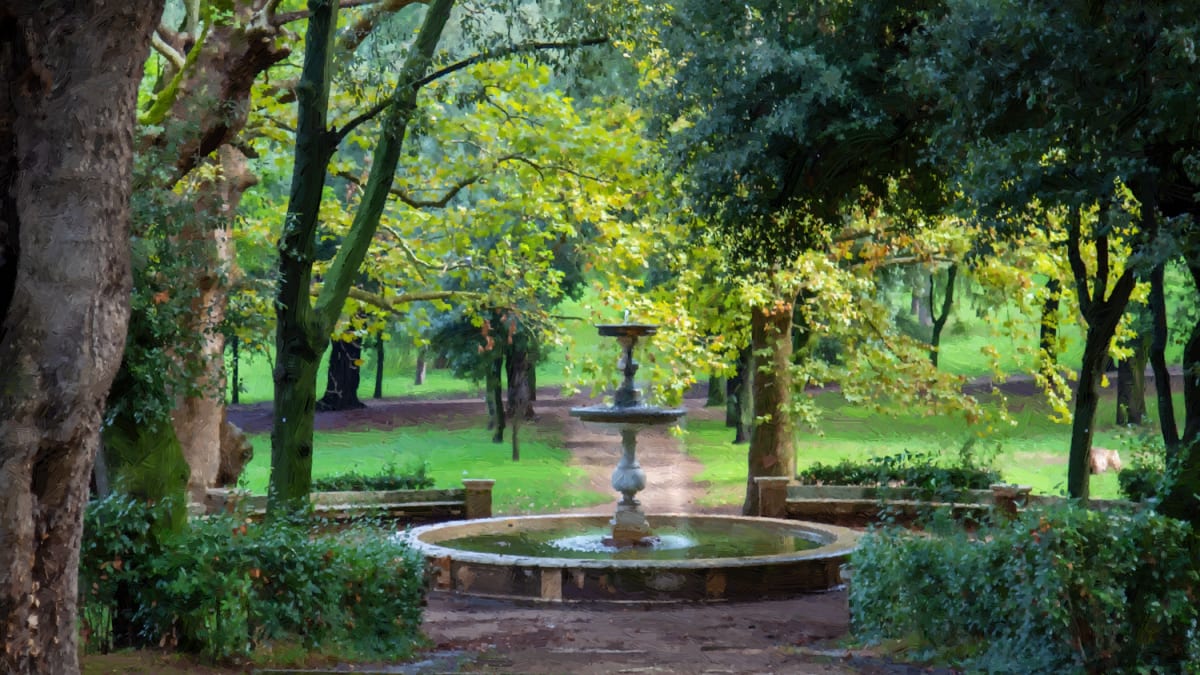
point(629, 413)
point(634, 556)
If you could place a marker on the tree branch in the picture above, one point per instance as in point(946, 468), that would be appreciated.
point(1078, 269)
point(353, 35)
point(300, 15)
point(336, 135)
point(393, 304)
point(169, 53)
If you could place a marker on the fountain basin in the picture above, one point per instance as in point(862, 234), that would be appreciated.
point(629, 416)
point(616, 578)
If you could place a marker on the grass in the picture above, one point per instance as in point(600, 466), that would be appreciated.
point(541, 482)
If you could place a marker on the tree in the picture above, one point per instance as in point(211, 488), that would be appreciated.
point(783, 118)
point(67, 115)
point(304, 326)
point(1069, 107)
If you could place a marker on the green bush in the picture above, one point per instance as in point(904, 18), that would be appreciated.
point(389, 478)
point(917, 470)
point(1054, 591)
point(224, 587)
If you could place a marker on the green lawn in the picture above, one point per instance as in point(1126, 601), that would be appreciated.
point(540, 482)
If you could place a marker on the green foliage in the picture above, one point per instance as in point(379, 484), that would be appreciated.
point(225, 587)
point(1054, 591)
point(1145, 475)
point(922, 470)
point(390, 477)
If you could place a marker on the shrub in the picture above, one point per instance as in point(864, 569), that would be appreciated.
point(1056, 590)
point(390, 477)
point(225, 586)
point(919, 470)
point(1145, 477)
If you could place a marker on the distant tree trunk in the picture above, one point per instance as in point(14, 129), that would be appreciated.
point(939, 320)
point(67, 114)
point(419, 374)
point(716, 392)
point(495, 399)
point(1180, 500)
point(343, 377)
point(1102, 314)
point(1048, 330)
point(1131, 385)
point(379, 366)
point(922, 299)
point(772, 446)
point(1158, 361)
point(518, 395)
point(738, 397)
point(236, 392)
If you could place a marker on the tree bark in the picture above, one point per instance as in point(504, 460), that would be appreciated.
point(772, 445)
point(1131, 385)
point(716, 392)
point(419, 371)
point(67, 115)
point(343, 377)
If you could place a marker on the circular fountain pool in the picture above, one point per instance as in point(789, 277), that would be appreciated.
point(563, 559)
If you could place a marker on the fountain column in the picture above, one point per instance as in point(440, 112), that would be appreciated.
point(630, 527)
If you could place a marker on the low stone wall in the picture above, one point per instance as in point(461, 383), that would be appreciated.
point(852, 505)
point(473, 500)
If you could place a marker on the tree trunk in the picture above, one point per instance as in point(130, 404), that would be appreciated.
point(716, 392)
point(772, 446)
point(495, 399)
point(378, 366)
point(1131, 385)
point(1158, 362)
point(518, 394)
point(1102, 315)
point(236, 386)
point(737, 399)
point(343, 377)
point(303, 328)
point(1180, 500)
point(67, 117)
point(419, 374)
point(939, 320)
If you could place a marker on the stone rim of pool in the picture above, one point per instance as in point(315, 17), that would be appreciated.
point(553, 579)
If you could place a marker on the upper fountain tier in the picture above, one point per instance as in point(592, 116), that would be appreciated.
point(627, 407)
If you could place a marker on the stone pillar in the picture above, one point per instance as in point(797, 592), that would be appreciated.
point(1007, 498)
point(479, 497)
point(772, 496)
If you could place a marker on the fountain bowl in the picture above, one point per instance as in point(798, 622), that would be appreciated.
point(597, 579)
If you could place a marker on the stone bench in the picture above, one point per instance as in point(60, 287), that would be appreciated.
point(473, 500)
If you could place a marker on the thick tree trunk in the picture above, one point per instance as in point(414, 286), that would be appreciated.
point(343, 377)
point(67, 115)
point(939, 320)
point(303, 328)
point(772, 445)
point(198, 419)
point(737, 399)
